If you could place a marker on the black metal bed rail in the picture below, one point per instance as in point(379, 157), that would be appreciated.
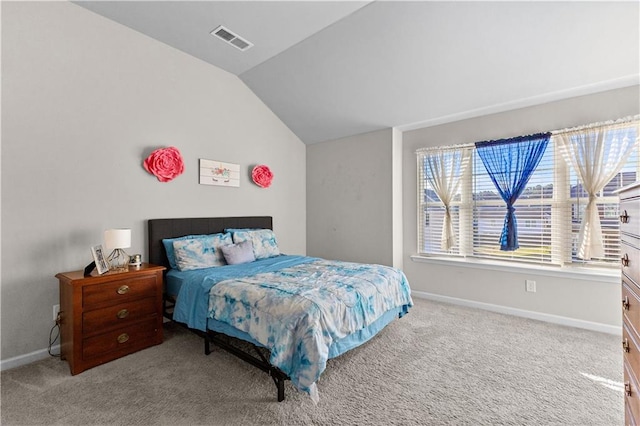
point(260, 362)
point(223, 342)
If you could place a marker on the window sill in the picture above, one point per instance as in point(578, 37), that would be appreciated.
point(569, 272)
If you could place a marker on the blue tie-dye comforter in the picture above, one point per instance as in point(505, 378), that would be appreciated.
point(299, 311)
point(295, 306)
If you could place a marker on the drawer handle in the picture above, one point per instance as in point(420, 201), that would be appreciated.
point(123, 338)
point(625, 345)
point(625, 260)
point(627, 388)
point(624, 218)
point(123, 289)
point(122, 313)
point(625, 303)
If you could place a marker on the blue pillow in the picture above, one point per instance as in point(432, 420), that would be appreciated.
point(236, 254)
point(264, 241)
point(216, 241)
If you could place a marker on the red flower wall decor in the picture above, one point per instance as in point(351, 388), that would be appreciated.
point(262, 176)
point(164, 163)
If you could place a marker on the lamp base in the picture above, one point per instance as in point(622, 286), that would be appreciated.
point(118, 260)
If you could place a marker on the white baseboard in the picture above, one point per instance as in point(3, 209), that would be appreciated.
point(556, 319)
point(25, 359)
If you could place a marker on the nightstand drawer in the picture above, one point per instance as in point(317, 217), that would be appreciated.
point(631, 395)
point(124, 339)
point(98, 320)
point(630, 345)
point(630, 212)
point(630, 304)
point(630, 256)
point(118, 291)
point(628, 416)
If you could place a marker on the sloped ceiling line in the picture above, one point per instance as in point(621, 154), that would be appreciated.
point(336, 69)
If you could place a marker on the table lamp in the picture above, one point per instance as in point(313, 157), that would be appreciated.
point(118, 240)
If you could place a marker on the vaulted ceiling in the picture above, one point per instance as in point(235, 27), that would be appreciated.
point(331, 69)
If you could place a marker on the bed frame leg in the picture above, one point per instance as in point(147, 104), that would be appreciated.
point(280, 385)
point(207, 345)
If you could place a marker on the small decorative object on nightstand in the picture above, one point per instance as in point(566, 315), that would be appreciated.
point(135, 260)
point(105, 317)
point(99, 261)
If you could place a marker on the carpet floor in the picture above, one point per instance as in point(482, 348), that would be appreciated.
point(439, 365)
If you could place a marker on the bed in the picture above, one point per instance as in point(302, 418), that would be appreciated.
point(284, 314)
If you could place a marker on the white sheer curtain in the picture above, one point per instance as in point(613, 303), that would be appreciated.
point(596, 153)
point(444, 170)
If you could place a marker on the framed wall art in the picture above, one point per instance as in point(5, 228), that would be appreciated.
point(218, 173)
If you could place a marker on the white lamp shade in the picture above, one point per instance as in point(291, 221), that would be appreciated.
point(117, 238)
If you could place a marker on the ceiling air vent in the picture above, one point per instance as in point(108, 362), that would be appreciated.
point(231, 38)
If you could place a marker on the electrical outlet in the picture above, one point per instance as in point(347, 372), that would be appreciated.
point(530, 286)
point(56, 310)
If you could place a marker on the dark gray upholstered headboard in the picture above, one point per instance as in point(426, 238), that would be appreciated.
point(172, 228)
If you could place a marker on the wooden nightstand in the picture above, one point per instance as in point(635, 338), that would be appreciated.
point(105, 317)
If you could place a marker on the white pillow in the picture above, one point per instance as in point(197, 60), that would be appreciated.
point(197, 253)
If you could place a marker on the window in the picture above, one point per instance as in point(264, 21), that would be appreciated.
point(555, 222)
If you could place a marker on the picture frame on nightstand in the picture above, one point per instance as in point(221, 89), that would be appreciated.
point(102, 265)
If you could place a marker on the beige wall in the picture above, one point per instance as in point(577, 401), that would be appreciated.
point(84, 100)
point(350, 211)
